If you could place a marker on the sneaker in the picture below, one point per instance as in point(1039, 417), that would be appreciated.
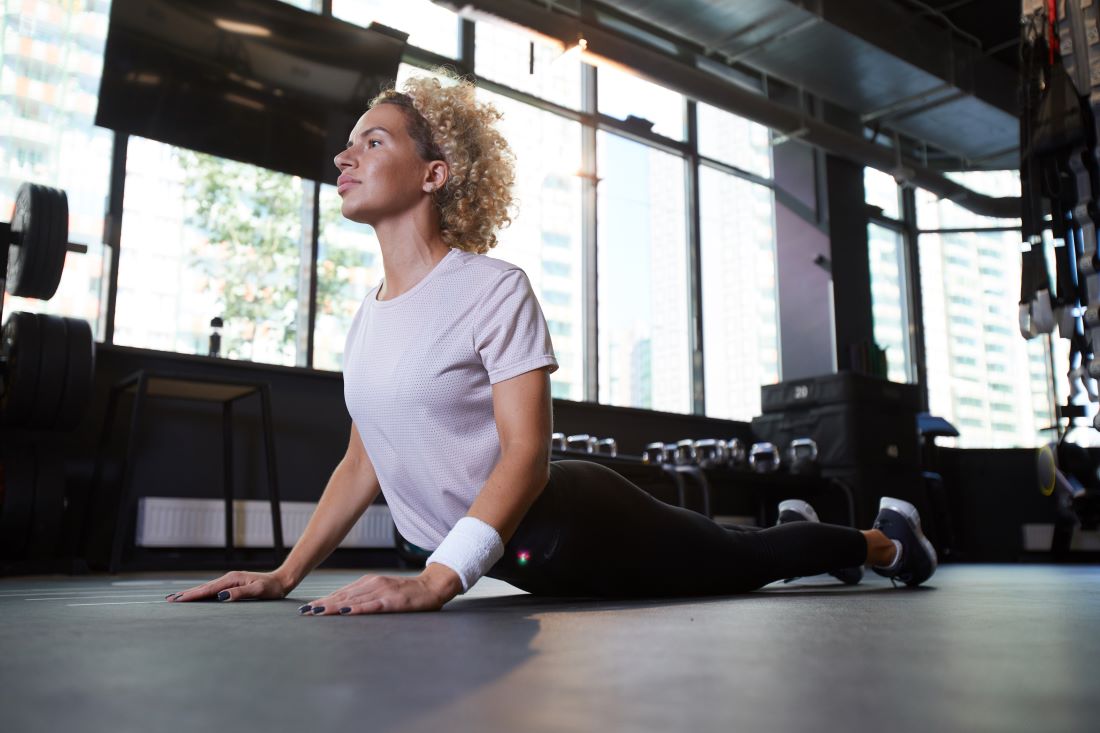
point(899, 520)
point(795, 510)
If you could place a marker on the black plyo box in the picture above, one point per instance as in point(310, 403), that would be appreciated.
point(846, 435)
point(843, 387)
point(856, 420)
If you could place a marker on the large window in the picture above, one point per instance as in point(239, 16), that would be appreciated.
point(429, 26)
point(349, 265)
point(734, 140)
point(204, 237)
point(517, 59)
point(889, 302)
point(982, 376)
point(624, 95)
point(740, 317)
point(645, 356)
point(314, 6)
point(544, 237)
point(881, 190)
point(889, 276)
point(51, 57)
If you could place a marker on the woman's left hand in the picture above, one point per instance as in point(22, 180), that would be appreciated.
point(386, 594)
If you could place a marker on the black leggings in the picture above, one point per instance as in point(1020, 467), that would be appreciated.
point(591, 532)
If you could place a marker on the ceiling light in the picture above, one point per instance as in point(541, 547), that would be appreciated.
point(246, 29)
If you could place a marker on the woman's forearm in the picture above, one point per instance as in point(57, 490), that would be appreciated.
point(349, 492)
point(512, 487)
point(468, 549)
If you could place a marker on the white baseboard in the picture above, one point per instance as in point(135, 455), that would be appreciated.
point(1037, 538)
point(173, 522)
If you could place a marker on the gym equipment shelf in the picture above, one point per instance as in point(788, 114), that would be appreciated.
point(145, 384)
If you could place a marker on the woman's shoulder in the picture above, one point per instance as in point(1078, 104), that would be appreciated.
point(483, 266)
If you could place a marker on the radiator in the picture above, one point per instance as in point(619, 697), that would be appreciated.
point(173, 522)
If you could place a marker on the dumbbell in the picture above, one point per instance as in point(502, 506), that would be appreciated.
point(582, 443)
point(685, 452)
point(607, 447)
point(802, 455)
point(736, 455)
point(654, 453)
point(557, 441)
point(764, 458)
point(710, 453)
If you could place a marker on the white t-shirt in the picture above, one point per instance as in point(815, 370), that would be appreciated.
point(417, 376)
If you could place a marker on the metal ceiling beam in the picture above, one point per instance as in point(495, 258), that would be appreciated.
point(912, 40)
point(901, 104)
point(778, 36)
point(674, 73)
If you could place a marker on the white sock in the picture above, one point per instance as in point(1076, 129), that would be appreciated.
point(897, 559)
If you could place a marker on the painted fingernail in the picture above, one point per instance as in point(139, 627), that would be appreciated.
point(305, 609)
point(318, 609)
point(223, 596)
point(345, 609)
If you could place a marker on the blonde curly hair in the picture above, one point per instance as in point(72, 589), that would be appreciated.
point(447, 122)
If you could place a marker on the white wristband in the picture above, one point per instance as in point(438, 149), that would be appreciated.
point(470, 549)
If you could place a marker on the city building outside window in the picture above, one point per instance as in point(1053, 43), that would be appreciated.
point(740, 302)
point(889, 300)
point(742, 143)
point(544, 237)
point(642, 299)
point(982, 375)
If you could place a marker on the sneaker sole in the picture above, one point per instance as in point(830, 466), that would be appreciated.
point(912, 516)
point(799, 507)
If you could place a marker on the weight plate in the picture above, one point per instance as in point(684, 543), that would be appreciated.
point(21, 347)
point(18, 463)
point(21, 221)
point(55, 207)
point(36, 256)
point(37, 253)
point(35, 244)
point(49, 503)
point(79, 376)
point(53, 355)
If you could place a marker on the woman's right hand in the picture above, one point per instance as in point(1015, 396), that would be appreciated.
point(236, 586)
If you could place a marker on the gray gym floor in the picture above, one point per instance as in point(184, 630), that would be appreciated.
point(1007, 647)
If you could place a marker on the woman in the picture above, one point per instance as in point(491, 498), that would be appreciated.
point(446, 377)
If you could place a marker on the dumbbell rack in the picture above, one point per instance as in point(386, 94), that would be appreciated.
point(723, 490)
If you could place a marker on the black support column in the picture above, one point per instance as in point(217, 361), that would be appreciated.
point(849, 254)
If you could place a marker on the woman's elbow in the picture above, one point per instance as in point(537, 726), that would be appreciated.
point(535, 458)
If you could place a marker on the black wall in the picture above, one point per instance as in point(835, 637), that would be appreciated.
point(177, 450)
